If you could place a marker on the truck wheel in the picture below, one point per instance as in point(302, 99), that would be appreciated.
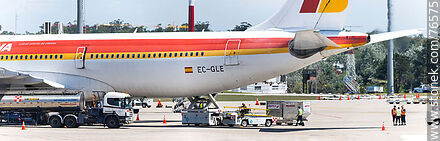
point(112, 122)
point(268, 123)
point(231, 125)
point(55, 122)
point(244, 123)
point(289, 123)
point(70, 122)
point(279, 123)
point(144, 105)
point(136, 111)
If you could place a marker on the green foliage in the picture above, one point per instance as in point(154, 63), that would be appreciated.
point(242, 27)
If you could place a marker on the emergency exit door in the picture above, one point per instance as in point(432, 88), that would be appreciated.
point(80, 57)
point(231, 52)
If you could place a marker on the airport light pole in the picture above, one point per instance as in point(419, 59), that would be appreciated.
point(80, 16)
point(191, 16)
point(390, 67)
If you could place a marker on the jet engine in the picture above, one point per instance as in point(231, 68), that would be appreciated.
point(309, 42)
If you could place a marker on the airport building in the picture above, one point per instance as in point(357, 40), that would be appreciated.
point(275, 85)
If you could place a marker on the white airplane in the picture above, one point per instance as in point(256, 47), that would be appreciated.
point(182, 64)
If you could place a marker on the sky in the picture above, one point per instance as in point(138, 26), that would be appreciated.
point(364, 15)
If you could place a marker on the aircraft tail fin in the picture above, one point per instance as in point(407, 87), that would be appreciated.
point(298, 15)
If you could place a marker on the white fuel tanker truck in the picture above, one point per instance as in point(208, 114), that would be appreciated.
point(113, 110)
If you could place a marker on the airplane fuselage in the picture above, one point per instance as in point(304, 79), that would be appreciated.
point(159, 64)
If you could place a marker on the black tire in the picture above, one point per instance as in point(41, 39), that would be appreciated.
point(70, 122)
point(268, 123)
point(55, 122)
point(244, 123)
point(255, 125)
point(144, 105)
point(279, 123)
point(112, 122)
point(136, 111)
point(231, 125)
point(289, 123)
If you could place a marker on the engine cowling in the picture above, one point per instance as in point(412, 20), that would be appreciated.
point(308, 43)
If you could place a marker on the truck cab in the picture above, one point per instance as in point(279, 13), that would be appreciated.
point(118, 104)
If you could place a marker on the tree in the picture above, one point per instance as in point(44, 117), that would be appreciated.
point(242, 27)
point(202, 26)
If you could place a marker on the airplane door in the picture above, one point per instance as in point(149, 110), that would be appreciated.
point(231, 52)
point(80, 57)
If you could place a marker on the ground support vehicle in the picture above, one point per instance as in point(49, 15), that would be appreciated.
point(287, 111)
point(243, 117)
point(68, 110)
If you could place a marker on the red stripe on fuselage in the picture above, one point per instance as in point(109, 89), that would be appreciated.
point(154, 45)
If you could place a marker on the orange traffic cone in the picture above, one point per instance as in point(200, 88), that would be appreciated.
point(257, 103)
point(348, 97)
point(319, 98)
point(383, 126)
point(340, 97)
point(404, 95)
point(417, 96)
point(164, 120)
point(23, 126)
point(359, 97)
point(380, 96)
point(137, 117)
point(159, 104)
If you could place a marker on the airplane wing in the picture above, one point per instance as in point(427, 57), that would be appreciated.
point(13, 80)
point(375, 38)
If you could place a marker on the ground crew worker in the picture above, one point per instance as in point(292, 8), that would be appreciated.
point(403, 116)
point(243, 109)
point(398, 114)
point(299, 119)
point(393, 112)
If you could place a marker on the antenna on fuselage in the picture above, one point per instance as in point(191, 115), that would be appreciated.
point(323, 10)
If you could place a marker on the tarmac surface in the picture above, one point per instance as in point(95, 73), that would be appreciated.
point(330, 120)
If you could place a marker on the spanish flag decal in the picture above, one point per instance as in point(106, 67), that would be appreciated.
point(188, 70)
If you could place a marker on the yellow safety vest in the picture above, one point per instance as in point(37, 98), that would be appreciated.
point(399, 112)
point(300, 112)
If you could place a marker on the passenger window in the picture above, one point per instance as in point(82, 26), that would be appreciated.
point(197, 53)
point(154, 55)
point(30, 57)
point(160, 55)
point(181, 54)
point(186, 54)
point(122, 56)
point(113, 55)
point(203, 53)
point(132, 55)
point(41, 56)
point(102, 56)
point(36, 57)
point(16, 57)
point(170, 55)
point(61, 56)
point(97, 56)
point(139, 55)
point(25, 57)
point(128, 55)
point(45, 56)
point(1, 58)
point(192, 53)
point(106, 56)
point(165, 55)
point(56, 56)
point(50, 57)
point(175, 54)
point(143, 55)
point(91, 56)
point(6, 58)
point(117, 56)
point(149, 55)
